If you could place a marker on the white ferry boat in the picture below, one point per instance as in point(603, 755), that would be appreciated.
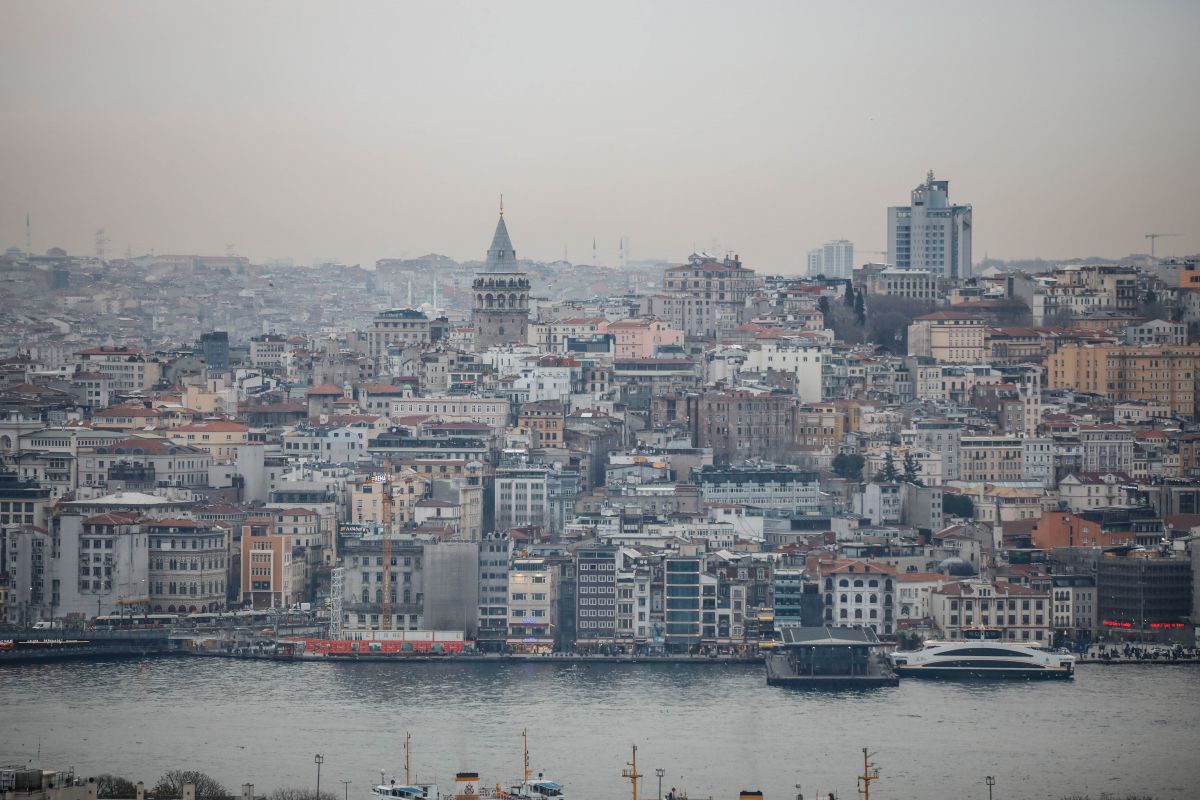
point(982, 654)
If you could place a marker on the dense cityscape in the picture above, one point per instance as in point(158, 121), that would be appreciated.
point(540, 401)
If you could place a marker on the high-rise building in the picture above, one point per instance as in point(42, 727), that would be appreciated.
point(815, 259)
point(931, 233)
point(501, 313)
point(214, 349)
point(837, 259)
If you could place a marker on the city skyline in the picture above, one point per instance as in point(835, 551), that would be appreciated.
point(239, 137)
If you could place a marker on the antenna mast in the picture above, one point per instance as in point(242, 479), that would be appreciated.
point(870, 772)
point(407, 761)
point(525, 739)
point(632, 772)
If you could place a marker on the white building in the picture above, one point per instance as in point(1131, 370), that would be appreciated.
point(858, 593)
point(807, 363)
point(837, 259)
point(522, 497)
point(930, 233)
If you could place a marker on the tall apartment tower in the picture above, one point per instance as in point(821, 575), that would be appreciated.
point(931, 234)
point(837, 259)
point(501, 308)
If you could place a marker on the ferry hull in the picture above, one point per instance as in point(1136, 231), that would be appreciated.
point(984, 673)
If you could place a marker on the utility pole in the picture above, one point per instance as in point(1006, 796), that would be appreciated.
point(659, 771)
point(990, 781)
point(346, 787)
point(318, 759)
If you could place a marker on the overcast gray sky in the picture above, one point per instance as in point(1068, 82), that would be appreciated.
point(366, 130)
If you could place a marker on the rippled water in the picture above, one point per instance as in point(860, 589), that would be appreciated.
point(714, 729)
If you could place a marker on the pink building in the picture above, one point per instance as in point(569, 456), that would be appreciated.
point(641, 338)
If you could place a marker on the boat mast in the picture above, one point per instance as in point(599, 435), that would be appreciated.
point(632, 772)
point(870, 774)
point(525, 740)
point(407, 762)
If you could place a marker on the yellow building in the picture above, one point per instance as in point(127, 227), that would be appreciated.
point(218, 437)
point(948, 336)
point(367, 496)
point(1124, 373)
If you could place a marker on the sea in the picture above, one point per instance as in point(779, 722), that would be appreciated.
point(713, 729)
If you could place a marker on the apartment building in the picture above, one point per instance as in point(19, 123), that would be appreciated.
point(948, 337)
point(1159, 374)
point(533, 604)
point(1021, 613)
point(991, 459)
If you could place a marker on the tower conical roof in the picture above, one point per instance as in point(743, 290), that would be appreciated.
point(501, 257)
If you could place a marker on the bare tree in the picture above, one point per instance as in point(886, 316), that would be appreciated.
point(207, 788)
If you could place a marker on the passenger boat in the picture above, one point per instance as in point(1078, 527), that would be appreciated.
point(981, 653)
point(532, 789)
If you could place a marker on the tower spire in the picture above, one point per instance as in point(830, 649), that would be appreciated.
point(502, 204)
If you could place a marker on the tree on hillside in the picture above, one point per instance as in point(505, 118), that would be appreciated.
point(911, 468)
point(958, 505)
point(114, 786)
point(823, 305)
point(860, 307)
point(207, 788)
point(849, 466)
point(889, 473)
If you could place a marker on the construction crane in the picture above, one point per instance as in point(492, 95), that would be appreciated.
point(1154, 237)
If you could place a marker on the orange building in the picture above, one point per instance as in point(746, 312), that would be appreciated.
point(268, 572)
point(1165, 375)
point(1057, 529)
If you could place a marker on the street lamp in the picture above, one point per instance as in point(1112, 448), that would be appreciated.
point(318, 759)
point(990, 781)
point(346, 786)
point(659, 771)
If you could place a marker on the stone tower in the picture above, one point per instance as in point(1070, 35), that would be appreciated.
point(501, 306)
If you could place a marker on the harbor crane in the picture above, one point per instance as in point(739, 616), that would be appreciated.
point(1154, 237)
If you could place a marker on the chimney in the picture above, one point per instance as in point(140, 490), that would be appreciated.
point(141, 791)
point(189, 791)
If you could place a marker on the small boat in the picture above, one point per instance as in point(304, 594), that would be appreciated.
point(981, 653)
point(536, 788)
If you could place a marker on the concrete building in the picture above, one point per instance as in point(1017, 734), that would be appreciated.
point(1075, 608)
point(1155, 373)
point(398, 327)
point(860, 593)
point(837, 259)
point(807, 362)
point(909, 284)
point(522, 498)
point(706, 297)
point(1145, 596)
point(950, 337)
point(991, 459)
point(784, 488)
point(1020, 612)
point(930, 233)
point(188, 569)
point(682, 595)
point(495, 555)
point(742, 424)
point(533, 606)
point(270, 577)
point(596, 605)
point(451, 583)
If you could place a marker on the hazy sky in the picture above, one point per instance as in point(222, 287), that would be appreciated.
point(359, 131)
